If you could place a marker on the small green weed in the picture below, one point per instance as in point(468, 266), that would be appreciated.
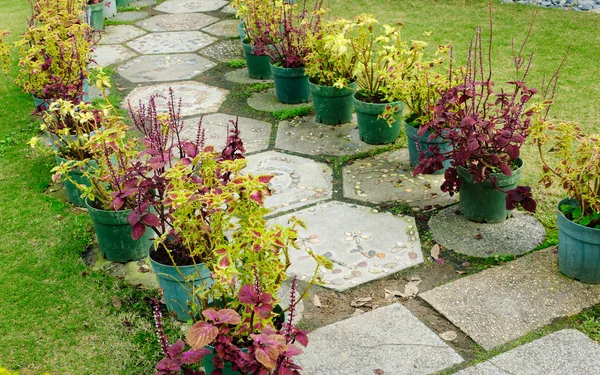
point(237, 63)
point(290, 113)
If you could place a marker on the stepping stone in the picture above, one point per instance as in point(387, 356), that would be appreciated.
point(363, 244)
point(158, 68)
point(117, 34)
point(306, 136)
point(389, 338)
point(564, 352)
point(241, 76)
point(110, 54)
point(190, 6)
point(501, 304)
point(517, 235)
point(172, 42)
point(227, 28)
point(196, 98)
point(224, 50)
point(388, 177)
point(130, 272)
point(228, 9)
point(130, 16)
point(266, 101)
point(177, 22)
point(255, 134)
point(142, 3)
point(95, 93)
point(298, 181)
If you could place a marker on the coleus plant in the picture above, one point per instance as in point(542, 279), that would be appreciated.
point(258, 16)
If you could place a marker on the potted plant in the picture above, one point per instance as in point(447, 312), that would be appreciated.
point(95, 14)
point(575, 165)
point(383, 57)
point(331, 64)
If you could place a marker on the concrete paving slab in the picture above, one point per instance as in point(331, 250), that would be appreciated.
point(517, 235)
point(226, 28)
point(389, 338)
point(171, 42)
point(504, 303)
point(130, 16)
point(142, 3)
point(363, 244)
point(160, 68)
point(241, 76)
point(110, 54)
point(255, 134)
point(388, 177)
point(228, 9)
point(560, 353)
point(298, 181)
point(196, 98)
point(190, 6)
point(95, 93)
point(306, 136)
point(177, 22)
point(117, 34)
point(266, 101)
point(224, 50)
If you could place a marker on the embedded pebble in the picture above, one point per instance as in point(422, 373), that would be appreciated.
point(362, 264)
point(412, 255)
point(357, 273)
point(336, 271)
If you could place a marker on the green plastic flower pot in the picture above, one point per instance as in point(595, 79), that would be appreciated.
point(291, 85)
point(372, 129)
point(578, 248)
point(332, 105)
point(258, 66)
point(242, 31)
point(96, 15)
point(482, 202)
point(74, 194)
point(122, 3)
point(114, 235)
point(86, 90)
point(176, 291)
point(424, 144)
point(40, 102)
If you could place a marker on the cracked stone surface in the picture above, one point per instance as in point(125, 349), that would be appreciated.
point(388, 177)
point(110, 54)
point(159, 68)
point(518, 234)
point(255, 134)
point(190, 6)
point(298, 181)
point(306, 136)
point(389, 338)
point(177, 22)
point(358, 240)
point(224, 50)
point(501, 304)
point(266, 101)
point(172, 42)
point(130, 16)
point(197, 98)
point(226, 28)
point(117, 34)
point(241, 76)
point(563, 352)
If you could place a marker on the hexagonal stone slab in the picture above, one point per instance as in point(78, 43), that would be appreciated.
point(197, 98)
point(266, 101)
point(130, 16)
point(388, 177)
point(106, 55)
point(190, 6)
point(142, 3)
point(117, 34)
point(224, 50)
point(158, 68)
point(173, 42)
point(389, 338)
point(306, 136)
point(177, 22)
point(226, 28)
point(228, 9)
point(298, 181)
point(241, 76)
point(363, 244)
point(517, 235)
point(501, 304)
point(255, 134)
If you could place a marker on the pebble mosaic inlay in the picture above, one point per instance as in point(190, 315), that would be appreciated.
point(224, 50)
point(177, 22)
point(171, 42)
point(158, 68)
point(226, 28)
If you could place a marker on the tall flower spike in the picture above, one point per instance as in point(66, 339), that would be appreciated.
point(160, 332)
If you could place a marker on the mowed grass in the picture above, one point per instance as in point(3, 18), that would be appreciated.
point(55, 314)
point(454, 22)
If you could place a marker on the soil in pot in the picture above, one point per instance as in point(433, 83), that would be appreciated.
point(332, 105)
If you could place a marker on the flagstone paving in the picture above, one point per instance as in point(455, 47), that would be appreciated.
point(266, 101)
point(190, 6)
point(197, 98)
point(306, 136)
point(130, 16)
point(117, 34)
point(363, 244)
point(227, 28)
point(388, 177)
point(515, 236)
point(241, 75)
point(228, 9)
point(387, 340)
point(158, 68)
point(223, 50)
point(142, 3)
point(504, 303)
point(566, 352)
point(171, 42)
point(177, 22)
point(110, 54)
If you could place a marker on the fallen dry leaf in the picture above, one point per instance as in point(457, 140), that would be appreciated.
point(478, 236)
point(317, 301)
point(362, 301)
point(410, 289)
point(116, 302)
point(448, 335)
point(357, 312)
point(378, 371)
point(435, 251)
point(144, 268)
